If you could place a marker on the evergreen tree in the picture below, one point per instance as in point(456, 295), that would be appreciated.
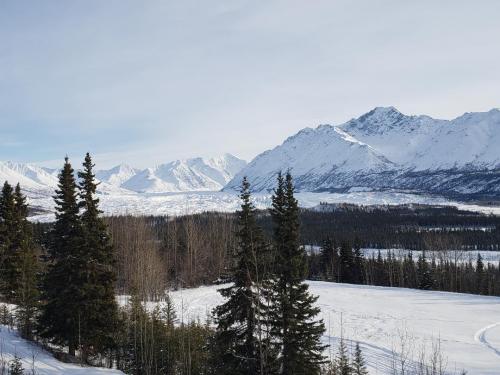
point(7, 241)
point(61, 313)
point(99, 311)
point(16, 366)
point(347, 263)
point(329, 258)
point(240, 337)
point(480, 279)
point(357, 273)
point(424, 276)
point(343, 364)
point(26, 293)
point(358, 364)
point(298, 333)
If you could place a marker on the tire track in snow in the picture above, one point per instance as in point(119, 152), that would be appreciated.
point(480, 337)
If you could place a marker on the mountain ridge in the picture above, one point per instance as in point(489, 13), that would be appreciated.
point(183, 175)
point(385, 149)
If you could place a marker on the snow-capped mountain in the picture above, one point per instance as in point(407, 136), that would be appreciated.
point(385, 149)
point(29, 176)
point(197, 174)
point(423, 143)
point(118, 175)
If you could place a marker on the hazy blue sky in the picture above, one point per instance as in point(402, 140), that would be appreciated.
point(149, 81)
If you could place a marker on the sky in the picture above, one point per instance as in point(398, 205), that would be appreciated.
point(145, 82)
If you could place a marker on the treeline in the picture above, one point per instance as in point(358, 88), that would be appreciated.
point(193, 250)
point(344, 263)
point(415, 227)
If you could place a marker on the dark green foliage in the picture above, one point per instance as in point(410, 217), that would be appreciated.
point(26, 294)
point(241, 337)
point(330, 260)
point(293, 322)
point(424, 274)
point(344, 264)
point(18, 260)
point(481, 281)
point(61, 315)
point(7, 242)
point(98, 313)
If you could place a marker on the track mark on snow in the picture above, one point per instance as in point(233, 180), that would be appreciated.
point(480, 336)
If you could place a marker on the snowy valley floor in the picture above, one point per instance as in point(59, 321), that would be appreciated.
point(467, 326)
point(195, 202)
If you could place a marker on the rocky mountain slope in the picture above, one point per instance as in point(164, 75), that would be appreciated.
point(387, 150)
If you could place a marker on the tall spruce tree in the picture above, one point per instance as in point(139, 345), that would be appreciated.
point(298, 333)
point(343, 363)
point(424, 275)
point(99, 311)
point(481, 284)
point(241, 339)
point(7, 241)
point(61, 312)
point(358, 363)
point(26, 294)
point(329, 258)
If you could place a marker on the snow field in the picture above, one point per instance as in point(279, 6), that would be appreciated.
point(382, 319)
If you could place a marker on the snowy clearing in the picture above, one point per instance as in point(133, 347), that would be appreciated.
point(467, 325)
point(34, 357)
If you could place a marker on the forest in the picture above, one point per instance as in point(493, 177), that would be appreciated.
point(193, 250)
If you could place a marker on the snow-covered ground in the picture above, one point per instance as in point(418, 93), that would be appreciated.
point(228, 201)
point(467, 326)
point(34, 357)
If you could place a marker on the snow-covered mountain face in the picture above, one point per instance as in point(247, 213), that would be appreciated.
point(179, 176)
point(385, 149)
point(29, 176)
point(197, 174)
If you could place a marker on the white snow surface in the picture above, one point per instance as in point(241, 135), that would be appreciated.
point(11, 344)
point(468, 326)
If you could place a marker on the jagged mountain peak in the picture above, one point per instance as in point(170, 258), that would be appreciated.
point(384, 148)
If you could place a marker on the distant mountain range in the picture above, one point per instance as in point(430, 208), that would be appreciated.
point(387, 150)
point(383, 150)
point(197, 174)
